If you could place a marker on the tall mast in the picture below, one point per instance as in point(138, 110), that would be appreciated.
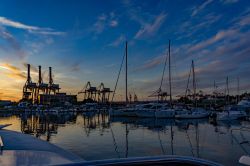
point(215, 93)
point(169, 65)
point(126, 77)
point(227, 92)
point(194, 84)
point(238, 89)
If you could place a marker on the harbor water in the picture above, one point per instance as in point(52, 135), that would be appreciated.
point(94, 136)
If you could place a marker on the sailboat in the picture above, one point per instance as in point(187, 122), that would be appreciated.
point(126, 111)
point(168, 112)
point(194, 113)
point(230, 112)
point(158, 110)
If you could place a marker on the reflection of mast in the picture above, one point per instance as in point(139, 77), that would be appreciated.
point(197, 139)
point(172, 138)
point(126, 154)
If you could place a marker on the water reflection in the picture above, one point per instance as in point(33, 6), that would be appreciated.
point(98, 136)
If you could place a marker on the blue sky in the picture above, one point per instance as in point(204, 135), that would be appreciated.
point(84, 41)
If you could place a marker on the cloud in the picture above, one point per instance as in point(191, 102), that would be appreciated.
point(12, 42)
point(13, 71)
point(32, 67)
point(118, 41)
point(221, 35)
point(229, 1)
point(113, 23)
point(32, 29)
point(191, 27)
point(150, 29)
point(197, 9)
point(104, 21)
point(75, 67)
point(152, 63)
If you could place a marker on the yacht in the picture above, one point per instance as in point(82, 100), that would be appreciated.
point(125, 111)
point(232, 113)
point(194, 113)
point(244, 103)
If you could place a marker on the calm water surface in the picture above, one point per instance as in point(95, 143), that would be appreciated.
point(98, 137)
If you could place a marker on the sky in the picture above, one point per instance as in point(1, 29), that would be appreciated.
point(85, 40)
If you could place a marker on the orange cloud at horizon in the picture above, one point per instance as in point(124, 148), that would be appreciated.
point(11, 81)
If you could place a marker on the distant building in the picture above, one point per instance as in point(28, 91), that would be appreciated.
point(56, 99)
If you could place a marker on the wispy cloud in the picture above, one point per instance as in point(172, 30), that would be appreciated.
point(12, 43)
point(197, 9)
point(190, 27)
point(152, 63)
point(75, 67)
point(118, 41)
point(104, 21)
point(32, 29)
point(150, 29)
point(229, 1)
point(32, 67)
point(113, 23)
point(13, 71)
point(219, 36)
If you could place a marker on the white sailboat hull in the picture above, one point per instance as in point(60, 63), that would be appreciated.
point(145, 113)
point(196, 113)
point(192, 116)
point(231, 115)
point(122, 112)
point(169, 113)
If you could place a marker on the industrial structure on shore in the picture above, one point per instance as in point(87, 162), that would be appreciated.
point(43, 93)
point(98, 94)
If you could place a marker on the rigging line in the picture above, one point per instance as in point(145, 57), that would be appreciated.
point(163, 72)
point(118, 78)
point(159, 137)
point(114, 141)
point(190, 143)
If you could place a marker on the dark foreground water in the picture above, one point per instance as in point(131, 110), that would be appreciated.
point(97, 137)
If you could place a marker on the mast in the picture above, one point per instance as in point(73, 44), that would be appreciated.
point(194, 84)
point(126, 68)
point(215, 93)
point(169, 72)
point(238, 89)
point(126, 77)
point(227, 92)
